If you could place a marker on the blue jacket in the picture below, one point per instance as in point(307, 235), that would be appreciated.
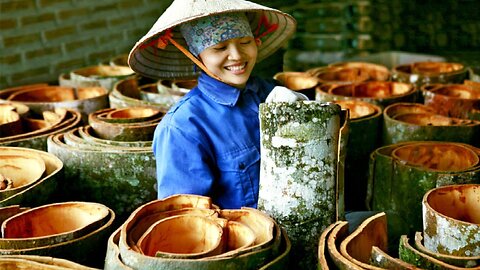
point(209, 143)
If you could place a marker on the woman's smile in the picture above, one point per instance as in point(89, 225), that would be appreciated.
point(232, 60)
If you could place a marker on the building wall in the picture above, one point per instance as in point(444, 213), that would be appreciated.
point(41, 39)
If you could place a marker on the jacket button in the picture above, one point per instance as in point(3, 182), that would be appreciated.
point(241, 166)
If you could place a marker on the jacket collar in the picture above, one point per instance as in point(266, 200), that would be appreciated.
point(221, 92)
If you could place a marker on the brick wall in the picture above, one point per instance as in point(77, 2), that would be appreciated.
point(41, 39)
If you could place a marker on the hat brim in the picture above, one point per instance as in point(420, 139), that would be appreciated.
point(148, 60)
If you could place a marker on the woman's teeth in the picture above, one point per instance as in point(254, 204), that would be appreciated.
point(236, 68)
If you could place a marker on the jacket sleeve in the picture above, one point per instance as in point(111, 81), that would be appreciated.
point(183, 163)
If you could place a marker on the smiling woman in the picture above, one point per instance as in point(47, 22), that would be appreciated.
point(209, 141)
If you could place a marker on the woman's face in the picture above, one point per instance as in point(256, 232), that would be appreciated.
point(232, 60)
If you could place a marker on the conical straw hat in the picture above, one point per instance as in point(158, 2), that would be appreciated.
point(147, 59)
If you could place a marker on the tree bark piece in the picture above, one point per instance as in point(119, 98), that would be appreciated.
point(418, 122)
point(357, 246)
point(453, 100)
point(460, 261)
point(299, 174)
point(400, 174)
point(451, 220)
point(338, 234)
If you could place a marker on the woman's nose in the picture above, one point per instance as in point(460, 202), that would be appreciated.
point(234, 52)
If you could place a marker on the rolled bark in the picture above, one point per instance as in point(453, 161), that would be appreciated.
point(453, 100)
point(33, 262)
point(451, 220)
point(51, 224)
point(384, 261)
point(376, 92)
point(268, 251)
point(298, 81)
point(417, 122)
point(375, 72)
point(324, 260)
point(41, 191)
point(37, 139)
point(338, 234)
point(47, 98)
point(357, 246)
point(19, 171)
point(88, 249)
point(300, 146)
point(364, 137)
point(460, 261)
point(121, 178)
point(400, 174)
point(420, 73)
point(115, 129)
point(127, 93)
point(409, 254)
point(283, 258)
point(100, 75)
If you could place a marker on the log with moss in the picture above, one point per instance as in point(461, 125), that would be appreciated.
point(299, 176)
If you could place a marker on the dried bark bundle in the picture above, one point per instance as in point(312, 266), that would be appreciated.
point(127, 124)
point(188, 231)
point(381, 93)
point(420, 73)
point(417, 122)
point(453, 100)
point(400, 174)
point(451, 220)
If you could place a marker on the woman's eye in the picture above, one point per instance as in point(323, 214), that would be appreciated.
point(246, 42)
point(220, 48)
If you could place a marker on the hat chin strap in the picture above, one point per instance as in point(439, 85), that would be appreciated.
point(194, 59)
